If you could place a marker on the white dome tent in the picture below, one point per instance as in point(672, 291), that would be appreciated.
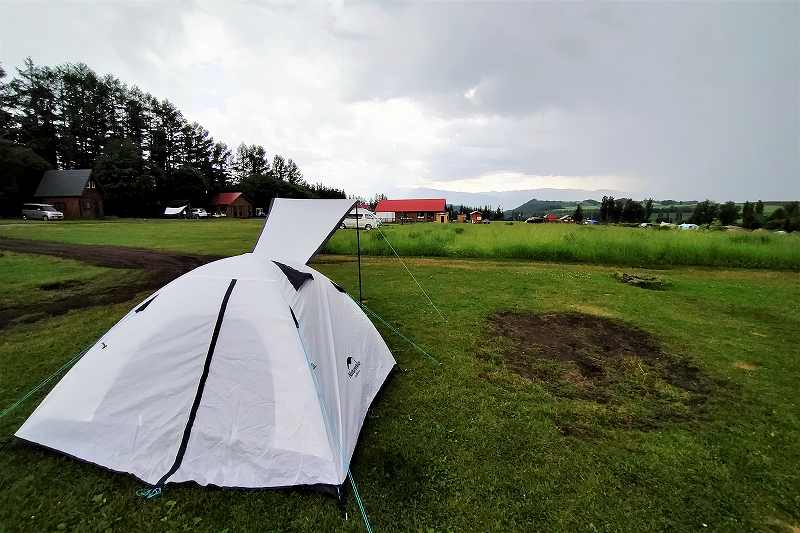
point(253, 371)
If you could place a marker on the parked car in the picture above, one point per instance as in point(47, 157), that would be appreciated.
point(366, 220)
point(534, 220)
point(486, 221)
point(688, 226)
point(41, 212)
point(199, 212)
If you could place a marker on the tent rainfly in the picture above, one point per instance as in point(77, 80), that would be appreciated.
point(252, 371)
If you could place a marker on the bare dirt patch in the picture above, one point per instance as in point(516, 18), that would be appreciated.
point(605, 361)
point(642, 281)
point(746, 365)
point(159, 268)
point(61, 285)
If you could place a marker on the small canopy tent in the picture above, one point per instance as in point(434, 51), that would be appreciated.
point(175, 211)
point(252, 371)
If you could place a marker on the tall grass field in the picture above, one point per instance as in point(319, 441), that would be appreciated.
point(581, 244)
point(612, 245)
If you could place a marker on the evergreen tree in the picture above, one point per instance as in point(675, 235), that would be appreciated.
point(119, 172)
point(748, 215)
point(648, 209)
point(70, 117)
point(578, 214)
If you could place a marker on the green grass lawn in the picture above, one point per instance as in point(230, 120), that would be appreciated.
point(22, 276)
point(469, 445)
point(539, 242)
point(209, 237)
point(33, 287)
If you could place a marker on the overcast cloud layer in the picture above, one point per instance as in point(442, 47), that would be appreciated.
point(674, 100)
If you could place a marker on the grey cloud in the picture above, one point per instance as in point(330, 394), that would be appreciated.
point(693, 100)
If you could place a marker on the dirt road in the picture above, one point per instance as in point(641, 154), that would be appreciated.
point(160, 268)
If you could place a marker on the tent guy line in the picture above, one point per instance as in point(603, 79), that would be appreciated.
point(409, 273)
point(397, 332)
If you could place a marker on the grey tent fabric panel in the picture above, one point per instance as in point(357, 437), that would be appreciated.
point(200, 387)
point(295, 230)
point(262, 427)
point(124, 405)
point(295, 277)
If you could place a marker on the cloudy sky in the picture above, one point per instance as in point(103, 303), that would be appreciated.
point(670, 100)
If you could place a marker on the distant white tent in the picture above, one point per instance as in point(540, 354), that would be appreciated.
point(251, 371)
point(173, 211)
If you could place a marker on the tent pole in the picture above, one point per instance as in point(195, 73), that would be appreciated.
point(358, 246)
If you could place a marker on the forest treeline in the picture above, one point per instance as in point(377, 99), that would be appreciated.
point(144, 153)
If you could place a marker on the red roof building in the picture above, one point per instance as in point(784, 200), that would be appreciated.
point(551, 218)
point(415, 210)
point(232, 204)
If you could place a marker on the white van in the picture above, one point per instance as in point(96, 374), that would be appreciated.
point(366, 220)
point(41, 212)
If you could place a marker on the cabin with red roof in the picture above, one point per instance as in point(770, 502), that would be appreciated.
point(551, 218)
point(414, 210)
point(232, 204)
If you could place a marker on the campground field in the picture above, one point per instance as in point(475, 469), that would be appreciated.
point(563, 399)
point(603, 245)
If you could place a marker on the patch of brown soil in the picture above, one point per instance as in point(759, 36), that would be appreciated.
point(574, 337)
point(61, 285)
point(746, 365)
point(160, 268)
point(596, 358)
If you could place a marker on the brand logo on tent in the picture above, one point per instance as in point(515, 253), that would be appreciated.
point(353, 367)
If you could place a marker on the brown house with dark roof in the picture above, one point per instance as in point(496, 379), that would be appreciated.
point(232, 204)
point(73, 192)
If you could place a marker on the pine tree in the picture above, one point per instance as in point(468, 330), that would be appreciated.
point(577, 216)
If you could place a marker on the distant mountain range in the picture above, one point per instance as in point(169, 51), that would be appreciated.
point(506, 200)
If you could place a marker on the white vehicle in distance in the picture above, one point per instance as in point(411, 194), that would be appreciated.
point(199, 212)
point(366, 220)
point(41, 212)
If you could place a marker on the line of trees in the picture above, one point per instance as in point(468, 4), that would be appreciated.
point(486, 212)
point(786, 217)
point(143, 151)
point(625, 210)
